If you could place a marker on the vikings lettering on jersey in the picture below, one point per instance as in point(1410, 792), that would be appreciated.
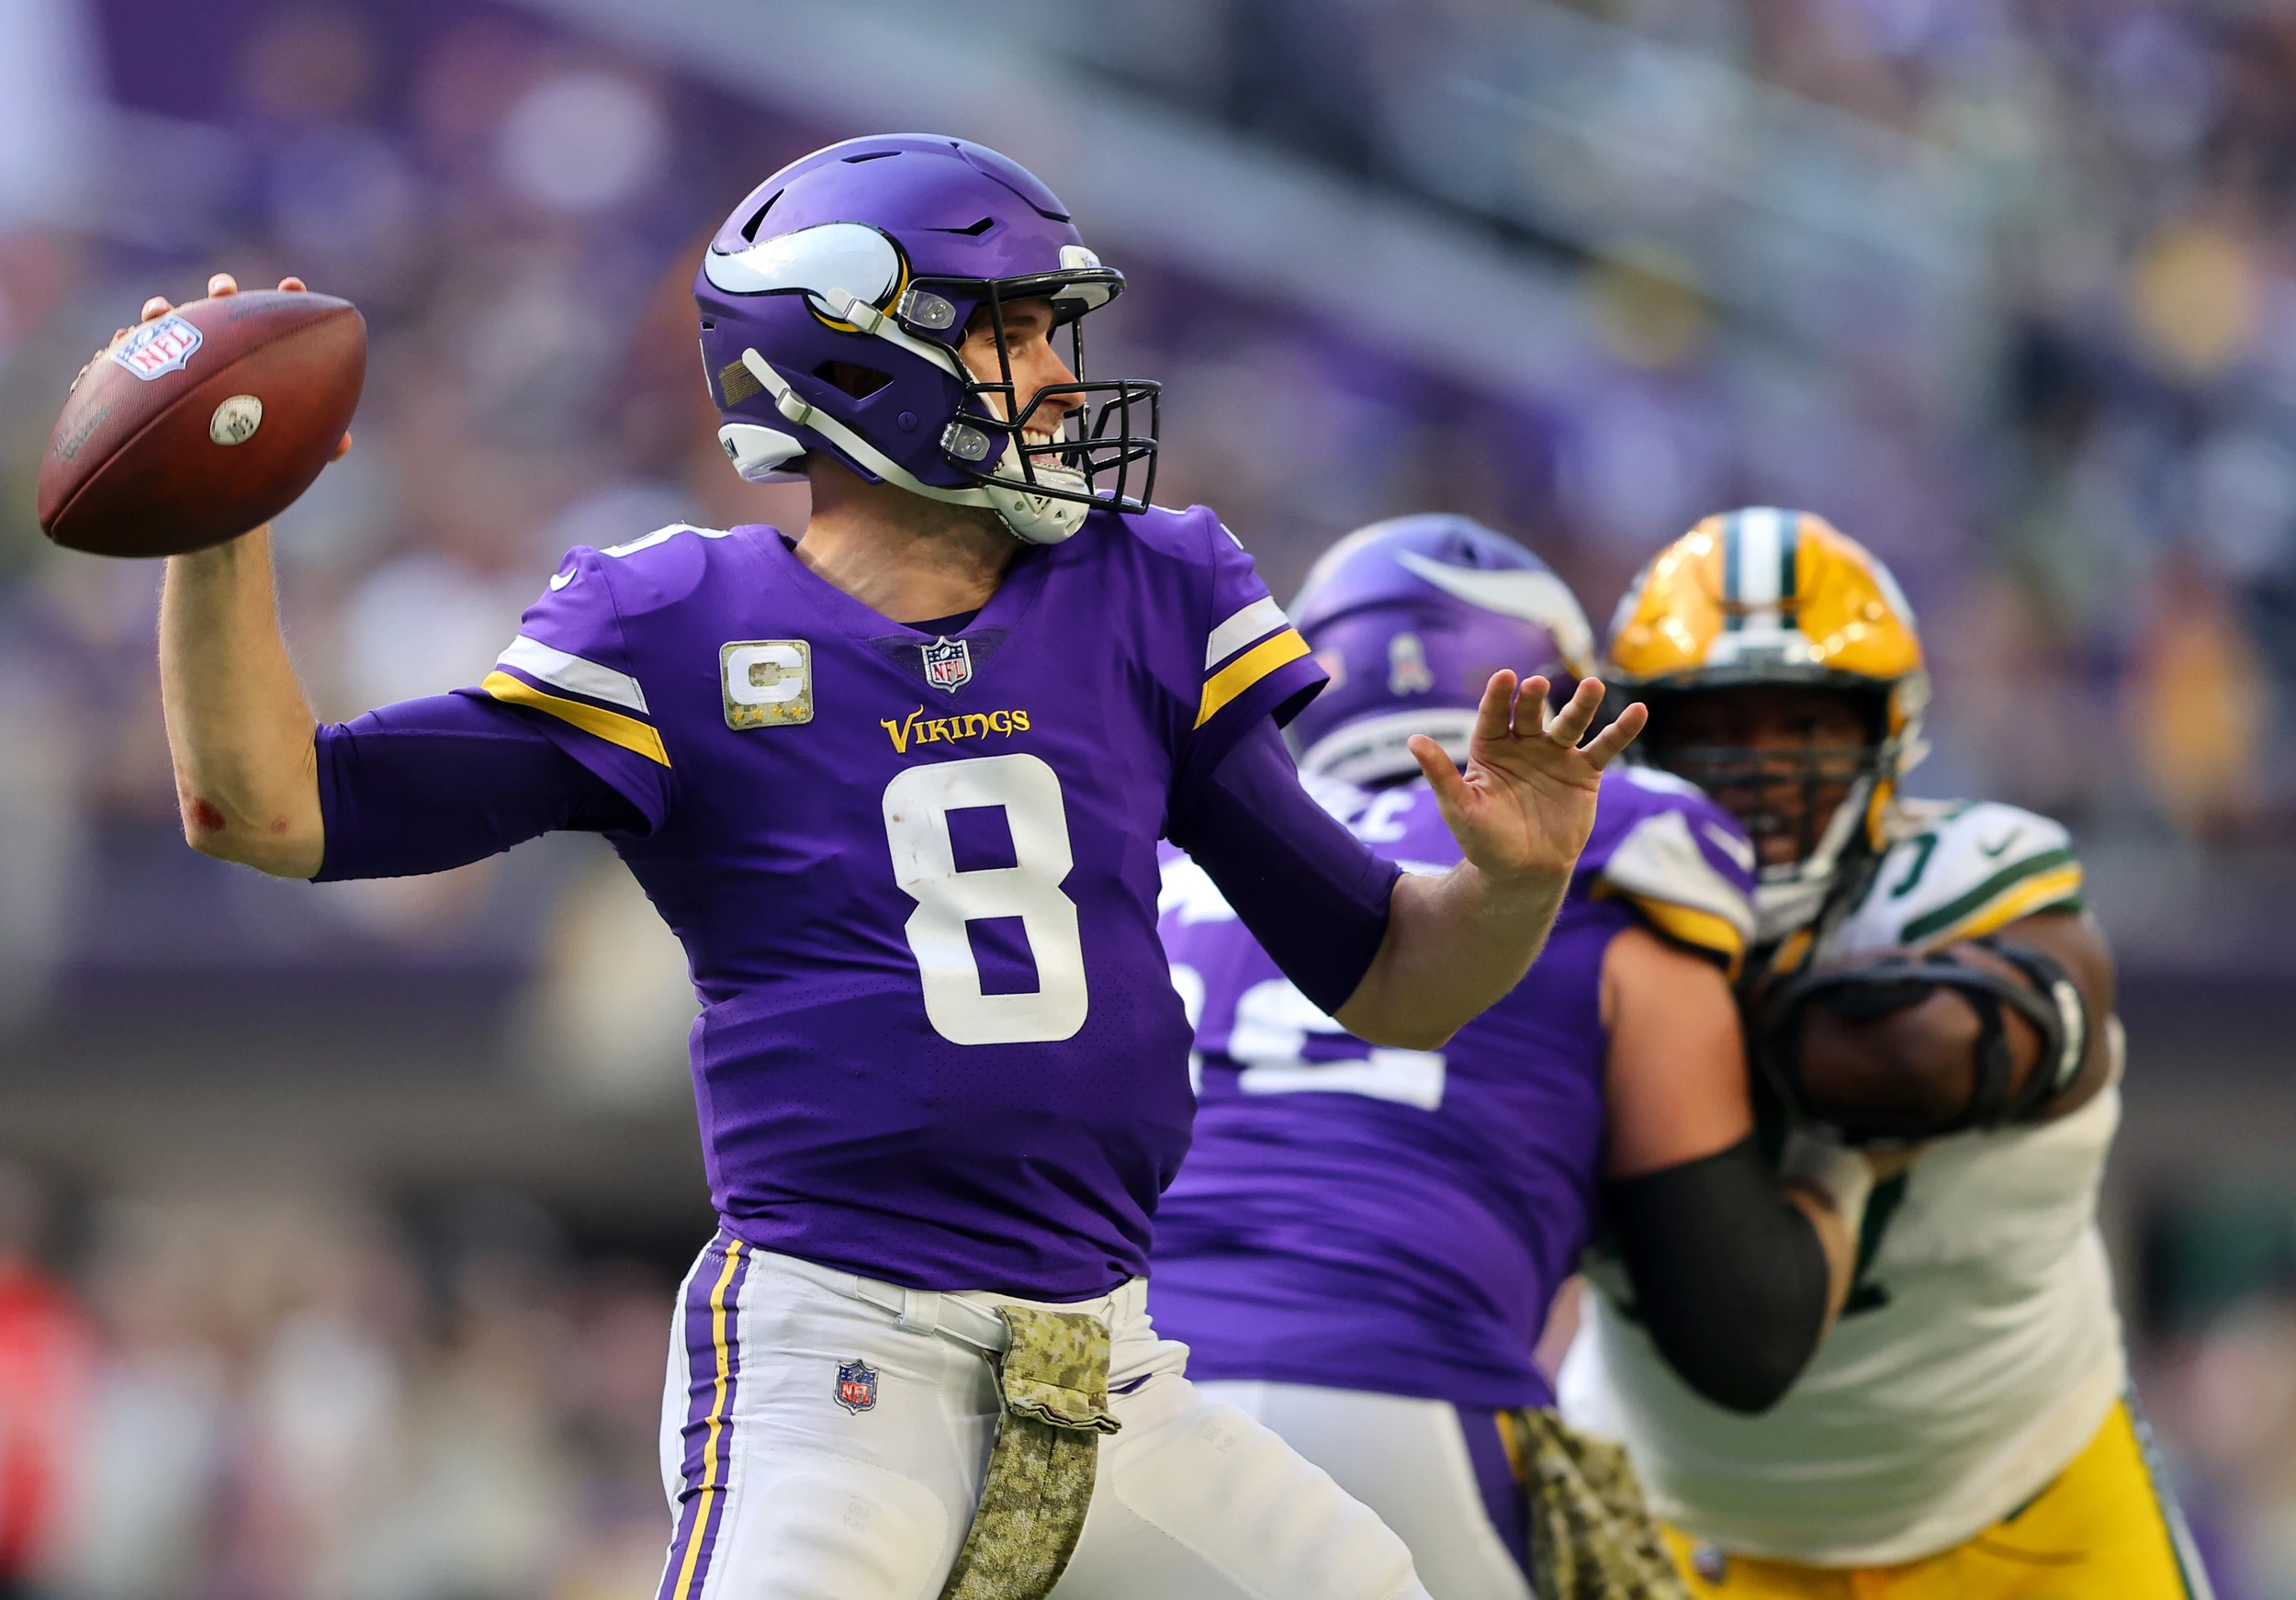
point(1397, 1220)
point(936, 1044)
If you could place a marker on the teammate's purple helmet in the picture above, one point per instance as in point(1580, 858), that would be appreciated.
point(1411, 617)
point(874, 253)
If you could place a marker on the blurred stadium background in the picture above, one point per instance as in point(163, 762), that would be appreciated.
point(337, 1224)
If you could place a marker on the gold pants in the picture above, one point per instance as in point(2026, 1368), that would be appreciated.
point(2103, 1530)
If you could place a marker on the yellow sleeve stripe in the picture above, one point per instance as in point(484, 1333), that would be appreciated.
point(2034, 893)
point(1247, 669)
point(1701, 930)
point(611, 726)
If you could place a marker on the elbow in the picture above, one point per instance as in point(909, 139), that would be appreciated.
point(1405, 1036)
point(205, 828)
point(1744, 1351)
point(279, 851)
point(1749, 1380)
point(1378, 1025)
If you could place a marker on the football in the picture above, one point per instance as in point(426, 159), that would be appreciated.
point(199, 425)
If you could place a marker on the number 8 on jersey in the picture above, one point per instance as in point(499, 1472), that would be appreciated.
point(917, 807)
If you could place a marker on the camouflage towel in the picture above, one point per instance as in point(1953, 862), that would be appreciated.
point(1592, 1537)
point(1054, 1380)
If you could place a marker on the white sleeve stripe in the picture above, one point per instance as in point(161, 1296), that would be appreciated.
point(561, 671)
point(1262, 616)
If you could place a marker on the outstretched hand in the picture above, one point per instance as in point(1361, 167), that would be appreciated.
point(218, 284)
point(1525, 804)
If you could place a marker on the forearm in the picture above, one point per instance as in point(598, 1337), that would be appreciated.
point(1455, 944)
point(1736, 1278)
point(239, 728)
point(1829, 1185)
point(1313, 894)
point(1835, 1238)
point(1982, 1035)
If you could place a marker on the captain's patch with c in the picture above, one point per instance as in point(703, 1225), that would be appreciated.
point(768, 683)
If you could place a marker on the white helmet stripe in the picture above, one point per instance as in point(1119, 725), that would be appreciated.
point(1535, 597)
point(1761, 535)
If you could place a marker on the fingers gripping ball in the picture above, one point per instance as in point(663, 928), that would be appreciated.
point(195, 427)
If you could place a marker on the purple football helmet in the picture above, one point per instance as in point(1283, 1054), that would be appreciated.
point(1411, 617)
point(872, 255)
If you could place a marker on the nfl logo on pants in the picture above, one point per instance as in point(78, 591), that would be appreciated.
point(856, 1385)
point(948, 664)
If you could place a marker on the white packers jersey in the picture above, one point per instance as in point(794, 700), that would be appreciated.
point(1980, 1349)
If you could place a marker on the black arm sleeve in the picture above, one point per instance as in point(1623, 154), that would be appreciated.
point(1309, 890)
point(1728, 1275)
point(428, 785)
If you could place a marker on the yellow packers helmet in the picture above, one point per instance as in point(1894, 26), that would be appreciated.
point(1764, 597)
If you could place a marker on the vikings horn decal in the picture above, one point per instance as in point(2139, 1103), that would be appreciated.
point(836, 255)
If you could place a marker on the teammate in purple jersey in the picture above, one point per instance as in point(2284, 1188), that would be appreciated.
point(1363, 1243)
point(897, 783)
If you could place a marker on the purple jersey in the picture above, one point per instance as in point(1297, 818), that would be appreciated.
point(916, 876)
point(1398, 1219)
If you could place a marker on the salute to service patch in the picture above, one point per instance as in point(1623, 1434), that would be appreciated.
point(767, 681)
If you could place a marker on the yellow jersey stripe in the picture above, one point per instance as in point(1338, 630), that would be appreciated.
point(611, 726)
point(1701, 930)
point(698, 1535)
point(1246, 670)
point(2034, 893)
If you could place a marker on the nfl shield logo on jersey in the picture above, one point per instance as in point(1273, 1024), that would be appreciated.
point(856, 1385)
point(948, 664)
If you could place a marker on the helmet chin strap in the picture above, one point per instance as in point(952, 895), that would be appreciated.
point(1793, 899)
point(1035, 519)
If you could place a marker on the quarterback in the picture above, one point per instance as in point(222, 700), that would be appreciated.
point(1924, 973)
point(896, 784)
point(1363, 1243)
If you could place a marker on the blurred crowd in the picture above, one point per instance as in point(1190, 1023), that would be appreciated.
point(2064, 422)
point(274, 1399)
point(2122, 449)
point(2006, 287)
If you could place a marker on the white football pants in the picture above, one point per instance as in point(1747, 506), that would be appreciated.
point(1407, 1460)
point(816, 1449)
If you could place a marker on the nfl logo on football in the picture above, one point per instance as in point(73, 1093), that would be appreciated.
point(158, 348)
point(948, 664)
point(856, 1385)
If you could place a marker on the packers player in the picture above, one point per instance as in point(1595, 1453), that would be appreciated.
point(1923, 973)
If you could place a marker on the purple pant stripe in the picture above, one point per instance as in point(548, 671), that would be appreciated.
point(1494, 1476)
point(713, 1367)
point(701, 1357)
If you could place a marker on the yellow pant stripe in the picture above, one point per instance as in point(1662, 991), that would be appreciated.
point(716, 1422)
